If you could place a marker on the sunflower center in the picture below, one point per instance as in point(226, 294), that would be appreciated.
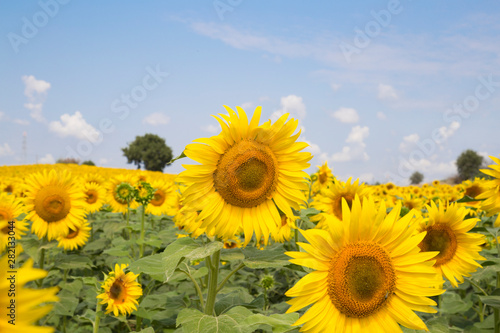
point(52, 203)
point(92, 196)
point(72, 234)
point(118, 292)
point(4, 215)
point(158, 198)
point(337, 204)
point(323, 177)
point(473, 191)
point(360, 279)
point(8, 189)
point(246, 174)
point(440, 238)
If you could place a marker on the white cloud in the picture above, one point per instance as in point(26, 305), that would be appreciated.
point(210, 129)
point(335, 86)
point(36, 91)
point(346, 115)
point(381, 115)
point(47, 159)
point(386, 92)
point(21, 122)
point(76, 126)
point(157, 118)
point(2, 116)
point(409, 141)
point(291, 104)
point(446, 132)
point(34, 87)
point(355, 151)
point(358, 134)
point(103, 161)
point(247, 106)
point(5, 150)
point(313, 148)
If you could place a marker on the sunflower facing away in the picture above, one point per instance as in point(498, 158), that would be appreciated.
point(10, 209)
point(246, 173)
point(31, 304)
point(76, 238)
point(324, 178)
point(492, 193)
point(54, 202)
point(121, 291)
point(447, 232)
point(369, 274)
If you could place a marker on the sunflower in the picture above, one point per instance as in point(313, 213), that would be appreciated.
point(54, 202)
point(120, 189)
point(447, 232)
point(492, 193)
point(76, 238)
point(329, 201)
point(247, 174)
point(121, 291)
point(285, 230)
point(161, 200)
point(94, 196)
point(30, 304)
point(324, 178)
point(369, 274)
point(10, 209)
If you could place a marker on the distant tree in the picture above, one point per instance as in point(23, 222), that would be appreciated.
point(89, 162)
point(416, 178)
point(68, 160)
point(148, 150)
point(468, 164)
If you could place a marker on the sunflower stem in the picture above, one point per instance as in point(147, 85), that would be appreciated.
point(213, 275)
point(496, 311)
point(97, 317)
point(197, 287)
point(240, 266)
point(141, 243)
point(138, 323)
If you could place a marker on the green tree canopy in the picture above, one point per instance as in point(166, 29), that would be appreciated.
point(148, 150)
point(416, 178)
point(468, 164)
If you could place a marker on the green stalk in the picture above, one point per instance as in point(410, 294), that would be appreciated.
point(240, 266)
point(496, 311)
point(197, 287)
point(97, 318)
point(141, 245)
point(213, 275)
point(138, 324)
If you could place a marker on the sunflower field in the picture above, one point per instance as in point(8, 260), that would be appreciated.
point(244, 240)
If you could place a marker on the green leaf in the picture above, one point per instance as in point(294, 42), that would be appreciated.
point(194, 321)
point(143, 313)
point(493, 301)
point(466, 198)
point(231, 254)
point(175, 252)
point(73, 261)
point(147, 330)
point(271, 257)
point(151, 265)
point(279, 323)
point(66, 305)
point(204, 251)
point(117, 252)
point(453, 303)
point(73, 287)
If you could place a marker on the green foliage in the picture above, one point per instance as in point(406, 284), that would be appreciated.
point(149, 151)
point(89, 162)
point(416, 178)
point(468, 164)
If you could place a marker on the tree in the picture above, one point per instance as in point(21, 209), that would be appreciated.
point(416, 178)
point(89, 162)
point(468, 164)
point(148, 150)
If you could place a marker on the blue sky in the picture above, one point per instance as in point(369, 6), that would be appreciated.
point(381, 88)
